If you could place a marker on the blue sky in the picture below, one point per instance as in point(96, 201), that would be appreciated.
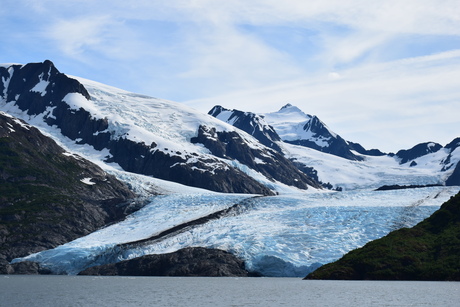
point(385, 74)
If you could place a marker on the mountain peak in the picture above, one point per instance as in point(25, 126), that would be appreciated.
point(286, 106)
point(287, 113)
point(289, 108)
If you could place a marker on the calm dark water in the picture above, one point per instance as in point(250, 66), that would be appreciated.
point(190, 291)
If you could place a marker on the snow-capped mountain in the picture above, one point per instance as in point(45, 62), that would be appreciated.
point(304, 139)
point(449, 162)
point(181, 160)
point(292, 125)
point(146, 135)
point(230, 151)
point(298, 128)
point(419, 151)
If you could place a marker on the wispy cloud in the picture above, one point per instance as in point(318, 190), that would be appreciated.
point(359, 65)
point(77, 35)
point(415, 97)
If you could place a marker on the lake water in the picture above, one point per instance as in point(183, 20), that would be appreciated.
point(21, 290)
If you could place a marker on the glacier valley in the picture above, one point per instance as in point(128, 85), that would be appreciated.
point(285, 235)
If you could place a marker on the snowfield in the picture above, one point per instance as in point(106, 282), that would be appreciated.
point(169, 124)
point(375, 171)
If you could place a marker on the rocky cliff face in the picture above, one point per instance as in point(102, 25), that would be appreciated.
point(454, 178)
point(196, 261)
point(360, 149)
point(49, 197)
point(323, 140)
point(270, 163)
point(251, 123)
point(37, 86)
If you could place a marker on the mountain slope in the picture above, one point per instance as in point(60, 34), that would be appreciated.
point(446, 159)
point(428, 251)
point(47, 196)
point(273, 166)
point(417, 151)
point(142, 134)
point(249, 122)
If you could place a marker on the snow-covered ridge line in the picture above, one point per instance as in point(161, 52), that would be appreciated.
point(426, 163)
point(290, 125)
point(157, 130)
point(169, 119)
point(176, 124)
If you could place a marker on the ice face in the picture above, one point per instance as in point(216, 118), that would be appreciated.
point(287, 235)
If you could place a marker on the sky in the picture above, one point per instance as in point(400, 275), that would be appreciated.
point(385, 74)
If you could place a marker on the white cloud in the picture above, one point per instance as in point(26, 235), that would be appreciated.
point(77, 35)
point(225, 58)
point(408, 16)
point(348, 68)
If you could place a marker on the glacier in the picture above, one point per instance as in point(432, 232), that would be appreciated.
point(284, 235)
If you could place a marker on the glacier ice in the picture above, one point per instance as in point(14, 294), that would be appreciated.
point(285, 235)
